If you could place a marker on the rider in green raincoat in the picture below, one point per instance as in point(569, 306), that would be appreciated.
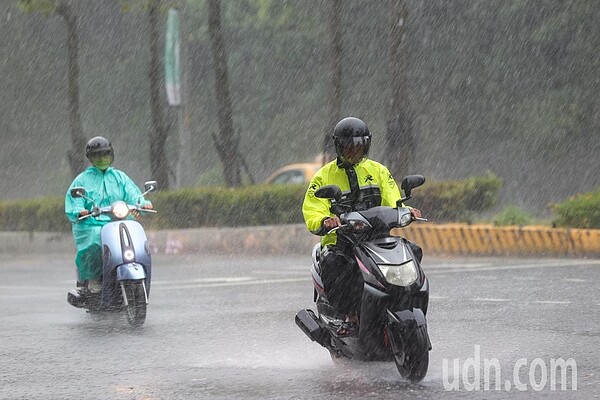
point(104, 185)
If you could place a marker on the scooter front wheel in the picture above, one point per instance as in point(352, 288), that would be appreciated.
point(413, 364)
point(134, 294)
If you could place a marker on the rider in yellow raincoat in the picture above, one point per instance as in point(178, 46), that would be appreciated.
point(365, 184)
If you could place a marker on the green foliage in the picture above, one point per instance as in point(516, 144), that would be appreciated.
point(456, 200)
point(512, 215)
point(219, 206)
point(45, 7)
point(579, 211)
point(516, 91)
point(45, 215)
point(251, 206)
point(144, 5)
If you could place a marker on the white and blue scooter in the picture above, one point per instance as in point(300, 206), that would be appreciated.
point(126, 263)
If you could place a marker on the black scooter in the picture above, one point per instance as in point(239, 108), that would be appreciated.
point(395, 295)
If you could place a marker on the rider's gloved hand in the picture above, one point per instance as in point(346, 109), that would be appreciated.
point(147, 206)
point(83, 212)
point(415, 212)
point(332, 222)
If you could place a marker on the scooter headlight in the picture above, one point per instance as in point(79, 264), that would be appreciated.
point(400, 275)
point(128, 255)
point(120, 210)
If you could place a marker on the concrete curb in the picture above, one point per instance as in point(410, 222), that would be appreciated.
point(447, 239)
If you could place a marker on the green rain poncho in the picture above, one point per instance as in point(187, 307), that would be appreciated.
point(104, 188)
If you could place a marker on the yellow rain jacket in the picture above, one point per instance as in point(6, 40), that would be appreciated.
point(376, 185)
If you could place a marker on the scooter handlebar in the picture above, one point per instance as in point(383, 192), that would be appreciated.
point(107, 210)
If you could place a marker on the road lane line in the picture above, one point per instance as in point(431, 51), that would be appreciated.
point(489, 299)
point(240, 283)
point(205, 280)
point(551, 302)
point(435, 270)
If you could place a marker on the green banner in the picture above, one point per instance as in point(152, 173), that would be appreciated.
point(172, 70)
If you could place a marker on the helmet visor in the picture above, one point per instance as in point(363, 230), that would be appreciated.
point(354, 141)
point(353, 149)
point(100, 153)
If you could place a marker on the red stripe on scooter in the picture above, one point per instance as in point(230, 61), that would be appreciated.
point(365, 270)
point(319, 287)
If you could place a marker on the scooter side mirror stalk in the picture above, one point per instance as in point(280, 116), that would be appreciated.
point(149, 186)
point(400, 203)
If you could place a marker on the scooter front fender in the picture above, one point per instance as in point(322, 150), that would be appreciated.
point(404, 326)
point(408, 319)
point(131, 271)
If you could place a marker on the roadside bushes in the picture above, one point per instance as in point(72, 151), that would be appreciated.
point(44, 214)
point(214, 206)
point(456, 200)
point(579, 211)
point(512, 215)
point(253, 205)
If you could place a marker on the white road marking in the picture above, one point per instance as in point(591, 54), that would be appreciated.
point(551, 302)
point(479, 268)
point(205, 280)
point(238, 283)
point(489, 299)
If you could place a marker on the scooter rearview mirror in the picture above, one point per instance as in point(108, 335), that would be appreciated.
point(77, 192)
point(150, 186)
point(329, 192)
point(410, 182)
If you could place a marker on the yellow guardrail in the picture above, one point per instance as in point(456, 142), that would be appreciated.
point(464, 239)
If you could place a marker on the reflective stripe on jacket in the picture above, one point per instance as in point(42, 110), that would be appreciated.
point(377, 187)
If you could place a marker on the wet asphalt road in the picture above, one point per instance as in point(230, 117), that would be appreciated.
point(222, 327)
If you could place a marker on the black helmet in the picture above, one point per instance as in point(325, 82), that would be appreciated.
point(98, 148)
point(351, 134)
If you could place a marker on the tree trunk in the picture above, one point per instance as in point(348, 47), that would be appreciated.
point(334, 87)
point(227, 143)
point(399, 153)
point(158, 135)
point(76, 155)
point(184, 174)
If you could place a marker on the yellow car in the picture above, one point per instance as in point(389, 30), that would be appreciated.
point(293, 173)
